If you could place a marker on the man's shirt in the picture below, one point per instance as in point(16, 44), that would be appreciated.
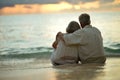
point(89, 40)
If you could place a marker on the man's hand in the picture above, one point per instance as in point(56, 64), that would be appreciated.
point(54, 45)
point(60, 36)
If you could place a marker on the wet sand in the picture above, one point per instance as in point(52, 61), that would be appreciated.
point(109, 71)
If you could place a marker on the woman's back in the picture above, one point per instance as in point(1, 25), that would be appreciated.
point(65, 54)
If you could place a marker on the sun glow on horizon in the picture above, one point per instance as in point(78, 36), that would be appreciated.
point(36, 8)
point(58, 7)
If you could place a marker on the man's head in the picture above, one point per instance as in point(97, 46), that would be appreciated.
point(84, 20)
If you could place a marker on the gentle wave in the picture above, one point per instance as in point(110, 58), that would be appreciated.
point(42, 53)
point(111, 50)
point(114, 48)
point(116, 45)
point(38, 53)
point(23, 56)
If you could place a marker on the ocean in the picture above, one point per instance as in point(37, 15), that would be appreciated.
point(25, 40)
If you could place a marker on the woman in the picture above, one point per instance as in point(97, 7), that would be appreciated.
point(64, 54)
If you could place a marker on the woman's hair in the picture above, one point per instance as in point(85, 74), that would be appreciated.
point(72, 26)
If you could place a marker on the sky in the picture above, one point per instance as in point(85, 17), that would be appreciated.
point(51, 6)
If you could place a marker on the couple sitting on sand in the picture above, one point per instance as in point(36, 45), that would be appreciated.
point(84, 45)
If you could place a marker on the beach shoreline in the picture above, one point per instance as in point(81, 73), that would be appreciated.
point(109, 71)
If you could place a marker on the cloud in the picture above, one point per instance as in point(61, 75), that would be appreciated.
point(89, 5)
point(36, 8)
point(116, 2)
point(77, 1)
point(45, 6)
point(7, 3)
point(105, 1)
point(113, 5)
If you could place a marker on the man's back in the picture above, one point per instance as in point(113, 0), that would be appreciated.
point(90, 44)
point(93, 44)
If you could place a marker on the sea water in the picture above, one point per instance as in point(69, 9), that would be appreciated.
point(25, 40)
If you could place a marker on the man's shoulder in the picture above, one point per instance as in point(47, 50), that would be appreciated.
point(95, 28)
point(79, 31)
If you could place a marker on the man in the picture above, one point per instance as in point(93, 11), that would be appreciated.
point(88, 39)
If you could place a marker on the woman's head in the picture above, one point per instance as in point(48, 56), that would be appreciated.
point(72, 26)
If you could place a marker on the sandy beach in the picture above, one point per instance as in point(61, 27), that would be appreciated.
point(109, 71)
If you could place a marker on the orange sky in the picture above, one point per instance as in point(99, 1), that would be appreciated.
point(59, 7)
